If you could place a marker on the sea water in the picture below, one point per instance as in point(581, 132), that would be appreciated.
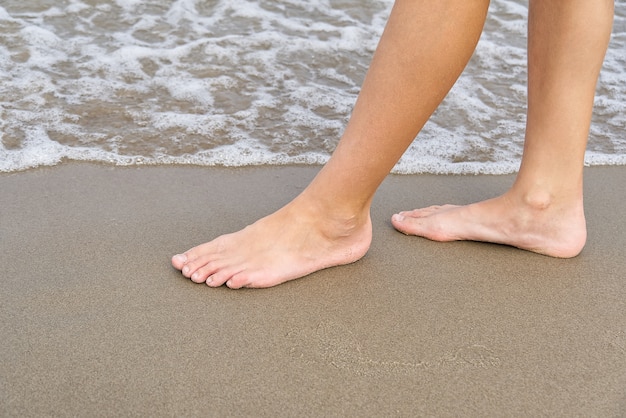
point(250, 82)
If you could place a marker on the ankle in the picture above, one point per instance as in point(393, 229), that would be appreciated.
point(347, 213)
point(538, 200)
point(331, 221)
point(544, 198)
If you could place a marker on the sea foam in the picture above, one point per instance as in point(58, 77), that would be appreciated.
point(250, 82)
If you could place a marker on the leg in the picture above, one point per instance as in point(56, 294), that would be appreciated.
point(543, 211)
point(422, 52)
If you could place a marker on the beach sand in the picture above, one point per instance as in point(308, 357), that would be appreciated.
point(95, 322)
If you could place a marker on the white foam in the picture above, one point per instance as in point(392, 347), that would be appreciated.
point(4, 15)
point(247, 82)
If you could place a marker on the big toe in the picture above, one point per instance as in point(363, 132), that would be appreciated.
point(178, 261)
point(405, 224)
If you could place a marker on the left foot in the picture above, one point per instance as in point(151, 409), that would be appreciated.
point(290, 243)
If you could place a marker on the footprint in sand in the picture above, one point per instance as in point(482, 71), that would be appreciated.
point(333, 344)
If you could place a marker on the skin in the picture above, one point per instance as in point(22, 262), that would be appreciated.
point(423, 50)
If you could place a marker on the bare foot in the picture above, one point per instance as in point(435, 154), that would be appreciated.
point(291, 243)
point(538, 226)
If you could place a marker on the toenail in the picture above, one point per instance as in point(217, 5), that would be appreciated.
point(181, 258)
point(398, 217)
point(186, 270)
point(195, 276)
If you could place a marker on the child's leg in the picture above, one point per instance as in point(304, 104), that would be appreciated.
point(424, 48)
point(543, 211)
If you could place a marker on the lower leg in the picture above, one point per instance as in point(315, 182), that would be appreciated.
point(543, 211)
point(423, 50)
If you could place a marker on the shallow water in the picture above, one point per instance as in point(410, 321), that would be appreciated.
point(236, 82)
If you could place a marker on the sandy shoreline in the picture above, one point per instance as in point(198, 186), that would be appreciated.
point(95, 322)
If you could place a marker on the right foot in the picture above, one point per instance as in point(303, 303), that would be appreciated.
point(557, 231)
point(292, 242)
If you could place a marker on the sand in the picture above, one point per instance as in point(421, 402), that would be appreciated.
point(95, 322)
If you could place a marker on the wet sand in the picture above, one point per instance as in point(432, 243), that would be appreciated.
point(95, 322)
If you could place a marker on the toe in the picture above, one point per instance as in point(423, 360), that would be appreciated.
point(178, 261)
point(222, 276)
point(405, 224)
point(208, 269)
point(252, 278)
